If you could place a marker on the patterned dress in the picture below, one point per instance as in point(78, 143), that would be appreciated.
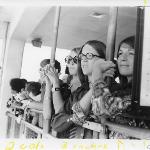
point(116, 107)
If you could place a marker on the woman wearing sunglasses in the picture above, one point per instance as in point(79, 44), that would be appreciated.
point(72, 64)
point(71, 117)
point(59, 97)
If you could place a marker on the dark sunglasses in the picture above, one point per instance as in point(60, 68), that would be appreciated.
point(87, 56)
point(68, 59)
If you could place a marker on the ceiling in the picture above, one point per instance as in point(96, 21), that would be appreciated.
point(76, 25)
point(6, 13)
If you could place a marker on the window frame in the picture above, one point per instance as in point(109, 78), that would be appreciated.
point(137, 109)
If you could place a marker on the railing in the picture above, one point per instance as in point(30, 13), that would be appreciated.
point(23, 127)
point(19, 130)
point(134, 132)
point(18, 127)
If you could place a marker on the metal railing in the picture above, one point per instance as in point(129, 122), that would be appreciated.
point(23, 127)
point(19, 130)
point(134, 132)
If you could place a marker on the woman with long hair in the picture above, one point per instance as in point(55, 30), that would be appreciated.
point(60, 95)
point(115, 104)
point(67, 119)
point(72, 65)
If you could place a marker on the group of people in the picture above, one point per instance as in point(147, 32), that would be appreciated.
point(86, 95)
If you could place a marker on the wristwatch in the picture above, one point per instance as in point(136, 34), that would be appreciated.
point(55, 89)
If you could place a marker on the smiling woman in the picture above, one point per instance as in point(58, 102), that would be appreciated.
point(115, 104)
point(126, 57)
point(95, 49)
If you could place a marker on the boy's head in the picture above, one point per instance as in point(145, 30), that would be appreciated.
point(34, 88)
point(17, 85)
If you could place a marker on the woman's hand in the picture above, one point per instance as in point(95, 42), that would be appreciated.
point(109, 73)
point(42, 75)
point(101, 68)
point(47, 81)
point(51, 74)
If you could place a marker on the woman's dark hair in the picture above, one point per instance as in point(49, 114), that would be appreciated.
point(100, 48)
point(69, 78)
point(47, 61)
point(17, 84)
point(131, 42)
point(34, 87)
point(67, 70)
point(77, 51)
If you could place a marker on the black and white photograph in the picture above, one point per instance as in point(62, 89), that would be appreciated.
point(74, 72)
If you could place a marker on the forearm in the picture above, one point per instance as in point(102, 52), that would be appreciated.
point(36, 105)
point(57, 101)
point(61, 122)
point(85, 102)
point(105, 103)
point(57, 97)
point(82, 108)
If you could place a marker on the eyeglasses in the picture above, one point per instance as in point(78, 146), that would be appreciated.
point(87, 56)
point(68, 59)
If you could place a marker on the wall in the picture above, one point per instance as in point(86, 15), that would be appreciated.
point(11, 69)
